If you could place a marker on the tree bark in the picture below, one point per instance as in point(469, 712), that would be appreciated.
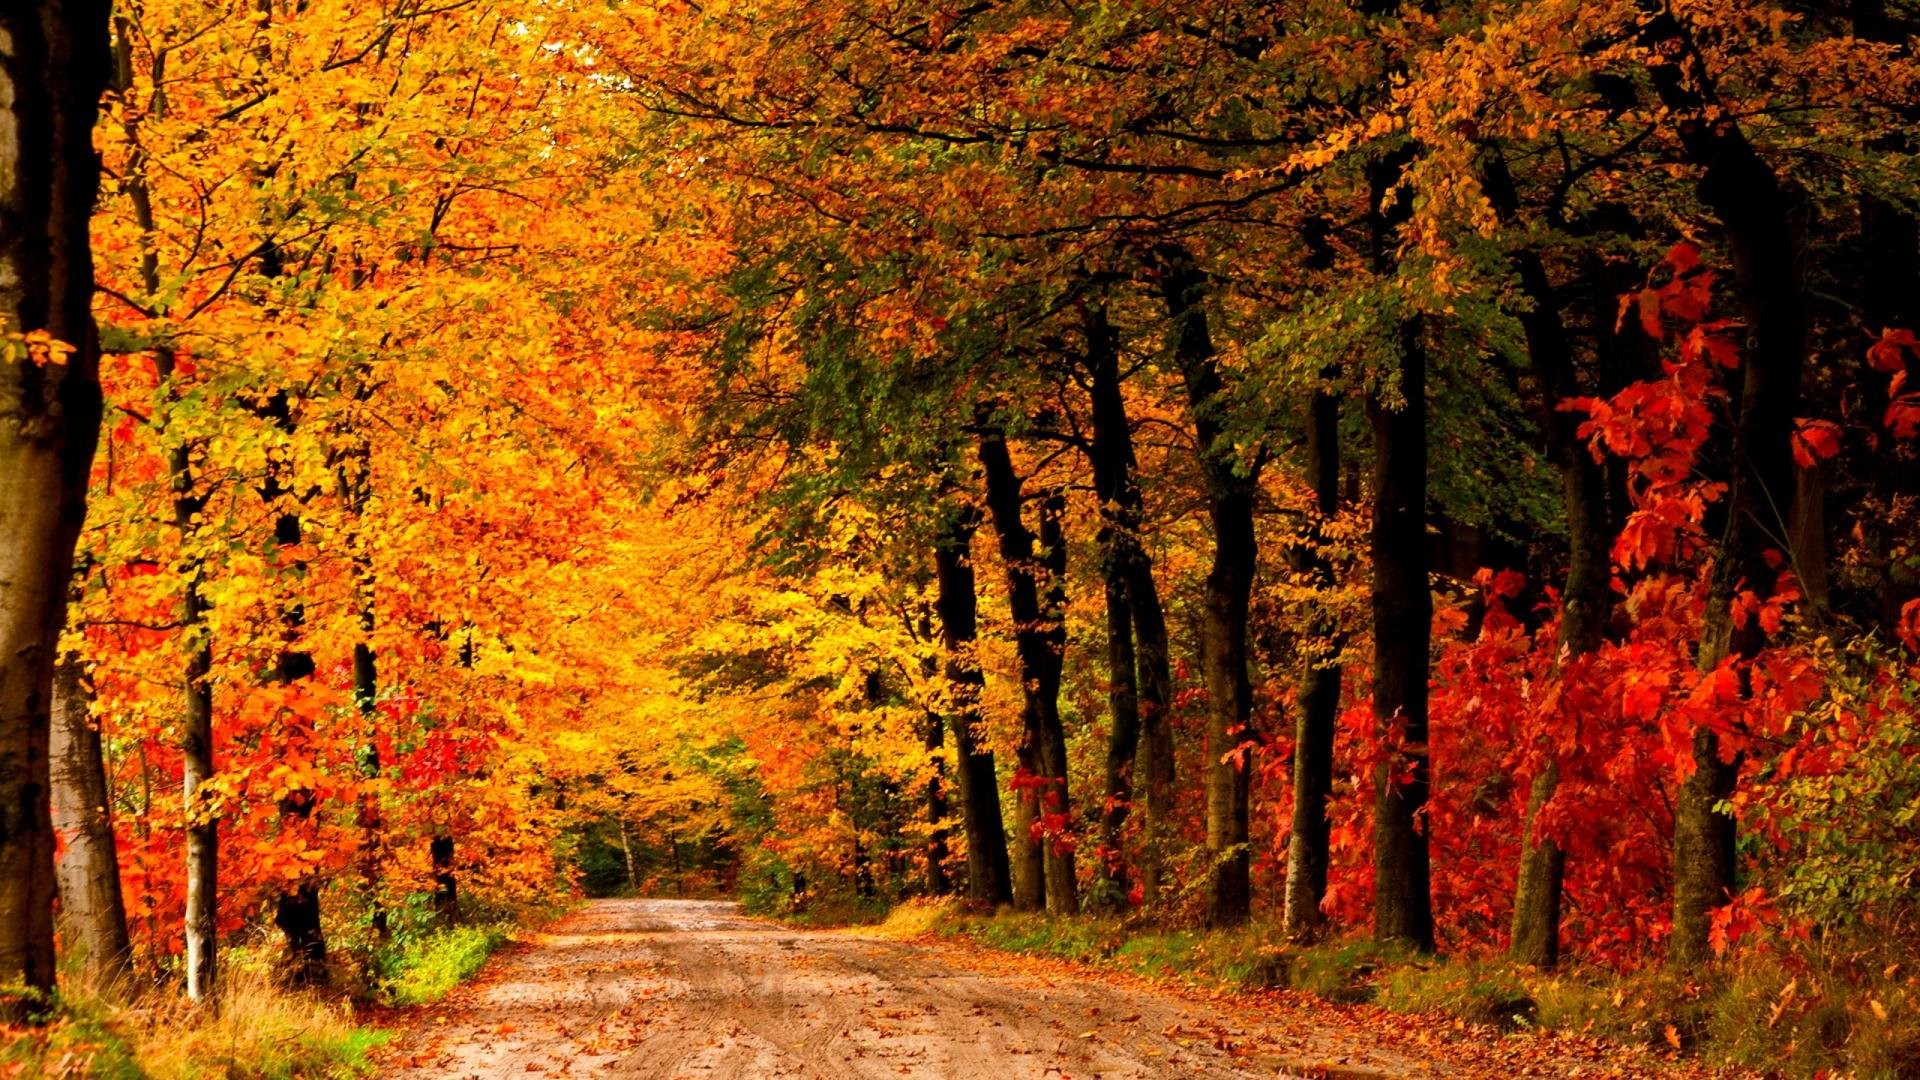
point(1124, 567)
point(1154, 766)
point(989, 874)
point(1757, 217)
point(1317, 715)
point(89, 870)
point(354, 475)
point(1035, 569)
point(297, 911)
point(446, 886)
point(53, 67)
point(1231, 491)
point(936, 880)
point(1538, 892)
point(196, 760)
point(1402, 602)
point(1402, 617)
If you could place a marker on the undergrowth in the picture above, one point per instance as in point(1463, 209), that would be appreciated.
point(1817, 1011)
point(260, 1032)
point(421, 968)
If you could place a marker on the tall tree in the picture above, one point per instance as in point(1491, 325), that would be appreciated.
point(1402, 600)
point(52, 72)
point(1232, 487)
point(1757, 213)
point(1035, 569)
point(989, 873)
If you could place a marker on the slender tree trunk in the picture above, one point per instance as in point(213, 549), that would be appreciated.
point(1114, 486)
point(1123, 709)
point(1538, 889)
point(937, 809)
point(989, 874)
point(297, 911)
point(1231, 490)
point(1154, 768)
point(446, 887)
point(56, 66)
point(626, 849)
point(1402, 600)
point(1757, 215)
point(1402, 614)
point(354, 475)
point(196, 757)
point(89, 870)
point(1318, 713)
point(1035, 568)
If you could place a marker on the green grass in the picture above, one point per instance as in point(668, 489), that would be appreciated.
point(1830, 1012)
point(421, 969)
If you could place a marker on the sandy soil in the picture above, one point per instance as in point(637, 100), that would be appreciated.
point(686, 988)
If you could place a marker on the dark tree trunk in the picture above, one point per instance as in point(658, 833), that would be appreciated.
point(1402, 606)
point(989, 875)
point(1757, 215)
point(297, 912)
point(1035, 568)
point(936, 881)
point(1124, 564)
point(1231, 490)
point(1317, 716)
point(89, 870)
point(1123, 709)
point(1538, 890)
point(446, 887)
point(1154, 763)
point(1402, 617)
point(354, 472)
point(50, 83)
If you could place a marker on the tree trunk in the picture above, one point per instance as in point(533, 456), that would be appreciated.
point(1231, 490)
point(1035, 568)
point(196, 763)
point(1402, 600)
point(297, 911)
point(1318, 713)
point(626, 849)
point(936, 851)
point(354, 473)
point(1154, 762)
point(1535, 938)
point(89, 870)
point(1402, 617)
point(55, 68)
point(989, 875)
point(1758, 218)
point(446, 887)
point(1123, 709)
point(1114, 486)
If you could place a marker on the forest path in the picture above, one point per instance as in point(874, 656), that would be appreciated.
point(691, 988)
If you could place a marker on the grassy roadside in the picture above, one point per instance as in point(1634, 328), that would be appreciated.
point(1839, 1013)
point(262, 1031)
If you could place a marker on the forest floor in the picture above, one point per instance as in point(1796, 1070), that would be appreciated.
point(691, 988)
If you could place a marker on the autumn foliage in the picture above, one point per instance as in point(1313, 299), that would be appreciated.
point(1444, 471)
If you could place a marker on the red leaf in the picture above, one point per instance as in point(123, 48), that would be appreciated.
point(1815, 441)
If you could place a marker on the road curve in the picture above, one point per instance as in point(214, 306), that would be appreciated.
point(689, 988)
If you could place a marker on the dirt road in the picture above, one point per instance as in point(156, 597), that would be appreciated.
point(681, 988)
